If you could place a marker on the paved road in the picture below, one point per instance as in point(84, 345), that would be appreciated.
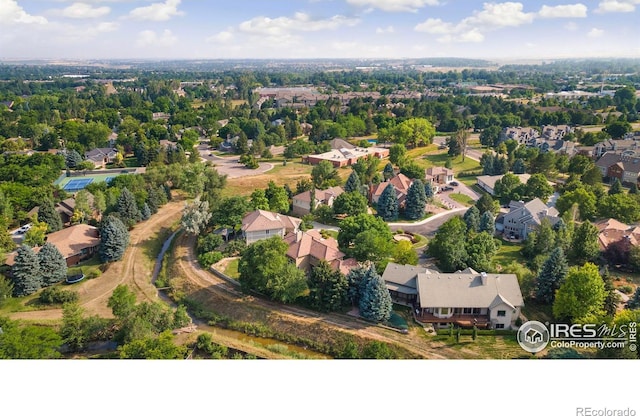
point(430, 225)
point(229, 165)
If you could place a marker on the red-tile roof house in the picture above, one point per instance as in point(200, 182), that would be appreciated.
point(76, 243)
point(308, 248)
point(400, 182)
point(611, 231)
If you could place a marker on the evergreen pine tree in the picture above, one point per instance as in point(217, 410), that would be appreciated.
point(428, 191)
point(72, 159)
point(634, 302)
point(53, 266)
point(388, 204)
point(612, 298)
point(416, 201)
point(551, 276)
point(487, 223)
point(114, 239)
point(47, 213)
point(375, 303)
point(357, 278)
point(26, 272)
point(616, 187)
point(472, 219)
point(388, 171)
point(127, 208)
point(145, 214)
point(584, 245)
point(633, 189)
point(167, 191)
point(519, 167)
point(353, 183)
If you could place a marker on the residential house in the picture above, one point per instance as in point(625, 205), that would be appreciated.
point(630, 147)
point(302, 201)
point(464, 298)
point(347, 157)
point(623, 167)
point(611, 231)
point(307, 249)
point(522, 135)
point(65, 208)
point(75, 243)
point(401, 184)
point(438, 175)
point(101, 156)
point(488, 182)
point(523, 218)
point(260, 224)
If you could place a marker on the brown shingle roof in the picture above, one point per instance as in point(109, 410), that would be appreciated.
point(260, 220)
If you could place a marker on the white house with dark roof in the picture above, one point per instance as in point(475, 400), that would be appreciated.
point(464, 298)
point(260, 224)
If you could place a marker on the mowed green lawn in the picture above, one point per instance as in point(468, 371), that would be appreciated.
point(508, 253)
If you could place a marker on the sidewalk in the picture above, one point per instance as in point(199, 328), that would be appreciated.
point(426, 220)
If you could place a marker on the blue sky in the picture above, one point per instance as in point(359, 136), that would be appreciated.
point(203, 29)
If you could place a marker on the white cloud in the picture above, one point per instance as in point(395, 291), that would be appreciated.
point(394, 5)
point(221, 37)
point(158, 12)
point(493, 16)
point(150, 38)
point(385, 30)
point(84, 11)
point(617, 6)
point(12, 12)
point(283, 27)
point(565, 10)
point(595, 33)
point(571, 26)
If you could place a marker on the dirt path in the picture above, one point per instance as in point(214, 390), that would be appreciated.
point(233, 302)
point(134, 270)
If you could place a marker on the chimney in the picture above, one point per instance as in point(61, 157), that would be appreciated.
point(483, 277)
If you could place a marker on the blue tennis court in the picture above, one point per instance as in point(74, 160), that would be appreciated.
point(109, 179)
point(77, 184)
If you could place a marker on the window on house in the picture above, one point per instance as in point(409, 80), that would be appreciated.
point(502, 313)
point(476, 311)
point(267, 231)
point(467, 311)
point(444, 311)
point(499, 326)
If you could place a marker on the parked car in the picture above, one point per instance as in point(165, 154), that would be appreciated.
point(453, 183)
point(24, 229)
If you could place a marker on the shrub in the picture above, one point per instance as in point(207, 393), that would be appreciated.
point(55, 295)
point(93, 273)
point(207, 259)
point(626, 289)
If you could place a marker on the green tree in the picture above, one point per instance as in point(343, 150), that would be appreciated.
point(581, 295)
point(480, 248)
point(388, 172)
point(324, 175)
point(428, 191)
point(583, 198)
point(328, 288)
point(404, 253)
point(416, 201)
point(6, 289)
point(161, 347)
point(621, 206)
point(616, 187)
point(122, 302)
point(375, 302)
point(353, 183)
point(519, 166)
point(593, 176)
point(36, 234)
point(634, 302)
point(448, 245)
point(551, 276)
point(350, 203)
point(486, 203)
point(48, 214)
point(53, 266)
point(612, 298)
point(509, 188)
point(455, 149)
point(490, 135)
point(261, 262)
point(288, 284)
point(114, 239)
point(412, 170)
point(195, 216)
point(230, 211)
point(538, 187)
point(25, 272)
point(73, 330)
point(371, 245)
point(472, 218)
point(487, 223)
point(278, 198)
point(387, 205)
point(351, 227)
point(28, 342)
point(397, 154)
point(414, 132)
point(584, 247)
point(617, 129)
point(127, 208)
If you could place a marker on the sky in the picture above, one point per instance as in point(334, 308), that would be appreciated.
point(303, 29)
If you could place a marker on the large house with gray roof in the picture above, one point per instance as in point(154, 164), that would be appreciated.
point(524, 217)
point(622, 166)
point(260, 224)
point(464, 298)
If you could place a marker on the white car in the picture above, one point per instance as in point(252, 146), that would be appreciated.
point(24, 229)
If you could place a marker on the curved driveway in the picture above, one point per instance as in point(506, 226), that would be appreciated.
point(230, 166)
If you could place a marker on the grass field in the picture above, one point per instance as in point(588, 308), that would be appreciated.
point(232, 269)
point(508, 253)
point(465, 200)
point(281, 175)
